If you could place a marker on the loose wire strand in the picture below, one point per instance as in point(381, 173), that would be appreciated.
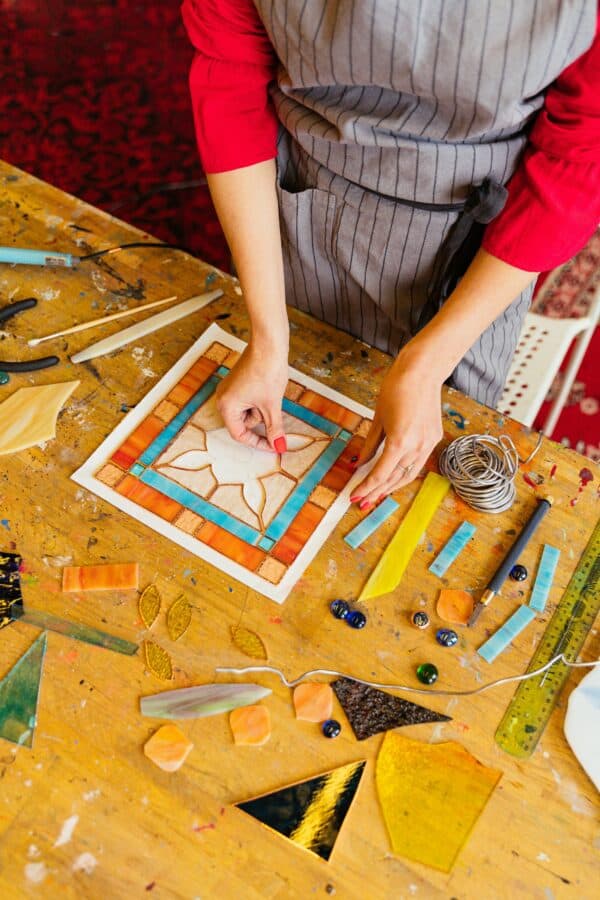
point(246, 670)
point(139, 245)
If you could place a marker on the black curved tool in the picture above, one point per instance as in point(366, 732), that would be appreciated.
point(31, 365)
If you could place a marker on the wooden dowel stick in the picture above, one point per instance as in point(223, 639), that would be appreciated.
point(93, 322)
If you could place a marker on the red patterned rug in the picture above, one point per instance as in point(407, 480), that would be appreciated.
point(94, 100)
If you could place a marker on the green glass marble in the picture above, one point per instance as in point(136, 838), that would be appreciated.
point(19, 691)
point(427, 673)
point(4, 377)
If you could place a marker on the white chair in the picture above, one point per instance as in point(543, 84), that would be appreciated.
point(542, 347)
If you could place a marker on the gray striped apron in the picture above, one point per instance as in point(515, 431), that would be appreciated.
point(391, 111)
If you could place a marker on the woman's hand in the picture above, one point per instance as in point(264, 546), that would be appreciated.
point(408, 417)
point(252, 395)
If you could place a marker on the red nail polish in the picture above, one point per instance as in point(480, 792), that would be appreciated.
point(365, 505)
point(355, 499)
point(280, 444)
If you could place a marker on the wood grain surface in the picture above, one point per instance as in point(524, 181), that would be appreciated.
point(85, 813)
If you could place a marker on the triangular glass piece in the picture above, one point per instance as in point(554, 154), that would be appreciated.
point(19, 691)
point(370, 711)
point(311, 812)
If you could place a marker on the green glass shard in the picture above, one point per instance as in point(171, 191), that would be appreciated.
point(201, 700)
point(77, 631)
point(311, 813)
point(19, 691)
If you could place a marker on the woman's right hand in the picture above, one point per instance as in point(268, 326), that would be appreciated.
point(251, 395)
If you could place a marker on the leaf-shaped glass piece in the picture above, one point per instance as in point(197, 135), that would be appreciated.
point(248, 642)
point(297, 441)
point(149, 605)
point(158, 661)
point(179, 616)
point(201, 700)
point(191, 459)
point(254, 495)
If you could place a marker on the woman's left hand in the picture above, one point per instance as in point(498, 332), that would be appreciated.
point(408, 417)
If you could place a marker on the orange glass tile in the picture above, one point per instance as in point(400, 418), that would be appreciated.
point(289, 546)
point(231, 546)
point(193, 379)
point(137, 442)
point(330, 410)
point(118, 576)
point(339, 475)
point(150, 499)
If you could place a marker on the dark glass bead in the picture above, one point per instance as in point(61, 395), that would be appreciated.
point(331, 728)
point(356, 619)
point(4, 378)
point(339, 609)
point(427, 673)
point(420, 619)
point(446, 637)
point(518, 573)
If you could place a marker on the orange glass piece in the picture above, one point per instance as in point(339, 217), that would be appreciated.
point(289, 546)
point(250, 726)
point(191, 381)
point(146, 496)
point(137, 442)
point(118, 577)
point(454, 606)
point(330, 410)
point(340, 474)
point(230, 545)
point(168, 748)
point(313, 702)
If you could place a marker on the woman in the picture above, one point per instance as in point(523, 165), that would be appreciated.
point(382, 134)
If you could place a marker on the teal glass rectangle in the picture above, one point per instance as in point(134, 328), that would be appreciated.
point(344, 435)
point(500, 640)
point(162, 441)
point(302, 492)
point(310, 417)
point(452, 548)
point(136, 469)
point(371, 523)
point(202, 507)
point(266, 543)
point(544, 578)
point(222, 371)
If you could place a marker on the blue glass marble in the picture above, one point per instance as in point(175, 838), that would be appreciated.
point(4, 378)
point(356, 619)
point(427, 673)
point(518, 573)
point(339, 609)
point(331, 728)
point(446, 637)
point(420, 619)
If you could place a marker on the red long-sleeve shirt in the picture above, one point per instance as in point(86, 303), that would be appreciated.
point(553, 201)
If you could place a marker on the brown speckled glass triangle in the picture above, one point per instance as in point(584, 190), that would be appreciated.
point(370, 711)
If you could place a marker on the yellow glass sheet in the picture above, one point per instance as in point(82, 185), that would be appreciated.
point(431, 796)
point(396, 556)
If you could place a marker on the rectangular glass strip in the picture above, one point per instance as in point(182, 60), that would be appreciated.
point(544, 578)
point(200, 506)
point(451, 550)
point(500, 640)
point(160, 443)
point(371, 523)
point(310, 417)
point(302, 492)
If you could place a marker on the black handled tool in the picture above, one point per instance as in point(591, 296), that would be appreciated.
point(30, 365)
point(511, 558)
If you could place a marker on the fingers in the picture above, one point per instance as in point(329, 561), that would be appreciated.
point(274, 424)
point(372, 442)
point(388, 469)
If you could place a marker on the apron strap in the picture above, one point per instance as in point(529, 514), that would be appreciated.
point(483, 204)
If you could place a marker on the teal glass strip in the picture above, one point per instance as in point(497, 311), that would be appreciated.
point(302, 492)
point(344, 435)
point(500, 640)
point(310, 417)
point(371, 523)
point(266, 544)
point(544, 578)
point(452, 548)
point(136, 469)
point(162, 441)
point(201, 507)
point(222, 371)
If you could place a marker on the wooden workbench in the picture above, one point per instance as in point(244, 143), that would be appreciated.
point(141, 831)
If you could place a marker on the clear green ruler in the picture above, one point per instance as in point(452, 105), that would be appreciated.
point(529, 710)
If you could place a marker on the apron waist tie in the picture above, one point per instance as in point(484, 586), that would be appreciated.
point(484, 203)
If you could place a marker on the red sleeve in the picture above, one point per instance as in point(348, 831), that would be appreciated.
point(234, 62)
point(553, 204)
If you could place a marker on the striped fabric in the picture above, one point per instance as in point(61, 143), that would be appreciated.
point(385, 103)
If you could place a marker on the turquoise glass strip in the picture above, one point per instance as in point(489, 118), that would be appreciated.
point(499, 641)
point(310, 417)
point(136, 469)
point(371, 523)
point(162, 441)
point(202, 507)
point(344, 435)
point(544, 578)
point(266, 544)
point(451, 550)
point(222, 371)
point(302, 492)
